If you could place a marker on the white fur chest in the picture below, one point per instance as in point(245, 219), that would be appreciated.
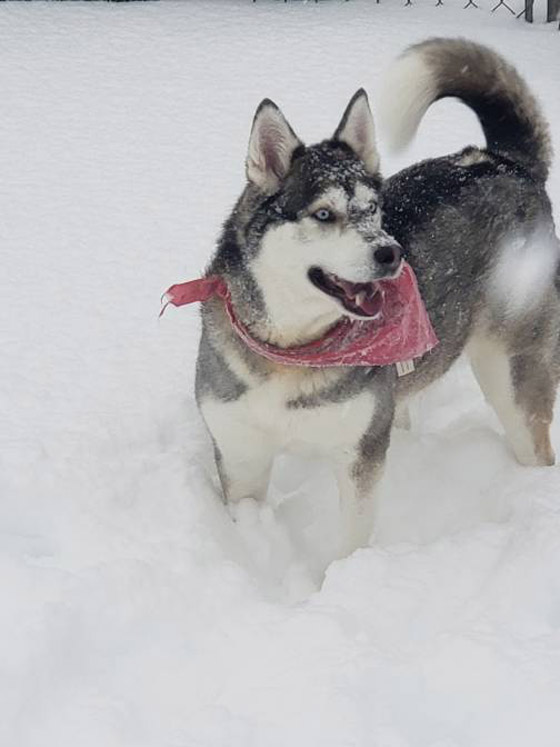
point(290, 413)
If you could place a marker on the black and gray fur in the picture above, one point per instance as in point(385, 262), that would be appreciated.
point(454, 219)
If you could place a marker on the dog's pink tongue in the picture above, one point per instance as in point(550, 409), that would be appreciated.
point(371, 305)
point(370, 297)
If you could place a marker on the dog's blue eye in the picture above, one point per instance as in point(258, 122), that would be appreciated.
point(324, 216)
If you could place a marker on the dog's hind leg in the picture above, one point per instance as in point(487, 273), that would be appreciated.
point(521, 388)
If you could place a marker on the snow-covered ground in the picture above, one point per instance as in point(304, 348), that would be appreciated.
point(134, 613)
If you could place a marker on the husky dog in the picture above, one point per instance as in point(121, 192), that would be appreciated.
point(316, 228)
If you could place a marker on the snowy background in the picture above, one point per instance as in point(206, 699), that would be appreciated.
point(134, 613)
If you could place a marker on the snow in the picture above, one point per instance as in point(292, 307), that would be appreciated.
point(135, 613)
point(523, 269)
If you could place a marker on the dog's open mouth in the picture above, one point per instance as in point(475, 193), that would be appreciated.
point(361, 299)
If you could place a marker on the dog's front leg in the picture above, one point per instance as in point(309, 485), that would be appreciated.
point(244, 469)
point(243, 453)
point(358, 473)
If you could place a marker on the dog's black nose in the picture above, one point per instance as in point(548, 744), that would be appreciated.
point(388, 256)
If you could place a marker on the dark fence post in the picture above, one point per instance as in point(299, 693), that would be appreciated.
point(528, 12)
point(553, 10)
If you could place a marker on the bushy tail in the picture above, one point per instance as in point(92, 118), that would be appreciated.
point(508, 112)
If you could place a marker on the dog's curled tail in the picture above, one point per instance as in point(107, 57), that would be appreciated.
point(508, 112)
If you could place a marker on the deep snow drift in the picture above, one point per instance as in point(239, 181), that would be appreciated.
point(134, 612)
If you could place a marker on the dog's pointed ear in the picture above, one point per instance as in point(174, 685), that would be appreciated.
point(271, 146)
point(356, 129)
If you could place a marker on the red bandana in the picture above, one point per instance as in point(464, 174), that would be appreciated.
point(400, 333)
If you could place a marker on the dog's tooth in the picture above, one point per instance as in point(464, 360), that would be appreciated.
point(360, 298)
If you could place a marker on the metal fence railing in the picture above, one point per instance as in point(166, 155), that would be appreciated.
point(552, 11)
point(552, 8)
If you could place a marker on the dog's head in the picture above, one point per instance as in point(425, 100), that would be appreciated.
point(308, 226)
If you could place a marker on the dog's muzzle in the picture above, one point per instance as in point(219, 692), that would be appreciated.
point(388, 258)
point(361, 299)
